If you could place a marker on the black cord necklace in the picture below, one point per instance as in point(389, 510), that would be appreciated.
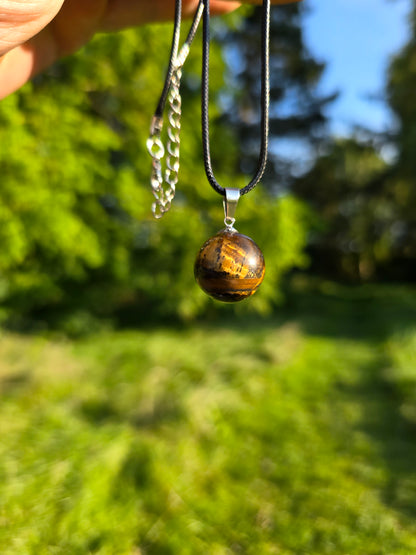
point(229, 266)
point(265, 93)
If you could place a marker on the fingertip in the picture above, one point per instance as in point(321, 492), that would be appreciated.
point(219, 6)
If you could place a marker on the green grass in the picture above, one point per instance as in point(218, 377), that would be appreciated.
point(292, 435)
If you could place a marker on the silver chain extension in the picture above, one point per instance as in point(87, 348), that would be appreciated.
point(164, 186)
point(173, 141)
point(157, 151)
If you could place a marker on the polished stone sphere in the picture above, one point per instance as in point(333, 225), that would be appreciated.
point(229, 266)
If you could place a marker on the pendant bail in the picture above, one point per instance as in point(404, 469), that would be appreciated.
point(230, 205)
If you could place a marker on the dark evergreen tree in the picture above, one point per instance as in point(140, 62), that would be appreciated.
point(349, 189)
point(401, 96)
point(367, 199)
point(297, 119)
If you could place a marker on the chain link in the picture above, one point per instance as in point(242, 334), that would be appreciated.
point(173, 143)
point(164, 187)
point(163, 184)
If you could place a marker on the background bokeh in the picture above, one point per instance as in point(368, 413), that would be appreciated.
point(137, 415)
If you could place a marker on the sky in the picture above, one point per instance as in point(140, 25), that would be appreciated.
point(356, 38)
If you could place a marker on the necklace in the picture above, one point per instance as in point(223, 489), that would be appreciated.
point(229, 266)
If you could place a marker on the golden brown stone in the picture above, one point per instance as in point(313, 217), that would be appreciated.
point(230, 266)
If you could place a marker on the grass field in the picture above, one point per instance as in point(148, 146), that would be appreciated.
point(290, 435)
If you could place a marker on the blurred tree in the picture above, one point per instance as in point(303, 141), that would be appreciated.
point(366, 200)
point(297, 119)
point(76, 227)
point(400, 90)
point(347, 187)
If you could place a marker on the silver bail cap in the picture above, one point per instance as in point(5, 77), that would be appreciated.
point(230, 206)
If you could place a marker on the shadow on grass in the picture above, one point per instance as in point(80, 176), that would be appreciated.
point(15, 383)
point(102, 412)
point(372, 314)
point(365, 312)
point(391, 433)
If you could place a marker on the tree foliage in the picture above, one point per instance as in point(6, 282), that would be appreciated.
point(297, 118)
point(400, 88)
point(366, 199)
point(347, 186)
point(76, 227)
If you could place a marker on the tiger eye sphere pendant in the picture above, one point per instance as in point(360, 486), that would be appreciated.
point(229, 266)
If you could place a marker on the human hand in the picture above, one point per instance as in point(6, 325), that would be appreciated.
point(35, 34)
